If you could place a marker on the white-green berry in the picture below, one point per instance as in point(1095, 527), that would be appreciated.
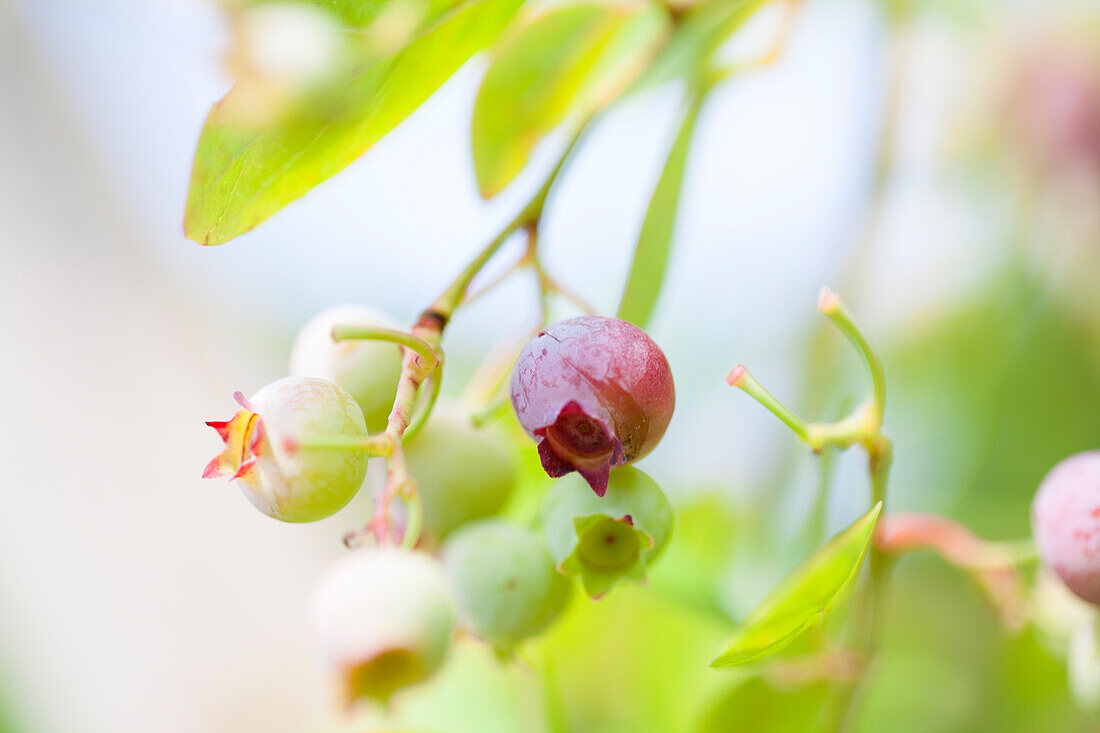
point(368, 370)
point(279, 477)
point(384, 620)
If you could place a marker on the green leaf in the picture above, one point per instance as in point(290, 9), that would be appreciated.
point(755, 705)
point(244, 173)
point(804, 598)
point(651, 255)
point(568, 61)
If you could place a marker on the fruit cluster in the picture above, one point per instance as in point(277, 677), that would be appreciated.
point(595, 393)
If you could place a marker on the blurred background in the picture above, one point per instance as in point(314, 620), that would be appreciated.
point(941, 170)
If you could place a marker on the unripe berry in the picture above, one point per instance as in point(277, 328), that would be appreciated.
point(1065, 520)
point(281, 479)
point(368, 370)
point(503, 582)
point(462, 472)
point(594, 392)
point(384, 620)
point(1083, 667)
point(1056, 611)
point(603, 540)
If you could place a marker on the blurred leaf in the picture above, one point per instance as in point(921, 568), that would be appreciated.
point(757, 706)
point(804, 598)
point(946, 665)
point(647, 274)
point(244, 174)
point(632, 662)
point(353, 13)
point(701, 31)
point(569, 60)
point(707, 531)
point(350, 12)
point(993, 394)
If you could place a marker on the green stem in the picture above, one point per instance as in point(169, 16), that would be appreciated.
point(421, 417)
point(747, 383)
point(831, 306)
point(393, 335)
point(375, 445)
point(496, 409)
point(413, 514)
point(870, 603)
point(446, 303)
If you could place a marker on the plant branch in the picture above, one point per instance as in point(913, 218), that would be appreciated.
point(423, 358)
point(863, 427)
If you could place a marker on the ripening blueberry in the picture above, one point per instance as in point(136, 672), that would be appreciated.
point(368, 370)
point(1065, 521)
point(283, 480)
point(462, 472)
point(595, 393)
point(384, 620)
point(503, 581)
point(604, 539)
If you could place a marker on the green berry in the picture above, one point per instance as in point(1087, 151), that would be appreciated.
point(368, 370)
point(280, 478)
point(384, 620)
point(503, 581)
point(462, 472)
point(604, 539)
point(1083, 667)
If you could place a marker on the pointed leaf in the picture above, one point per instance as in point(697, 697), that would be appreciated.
point(569, 60)
point(243, 173)
point(651, 255)
point(804, 598)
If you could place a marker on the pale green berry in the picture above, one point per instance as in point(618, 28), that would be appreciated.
point(1083, 667)
point(282, 479)
point(368, 370)
point(384, 620)
point(503, 581)
point(1057, 612)
point(462, 472)
point(601, 540)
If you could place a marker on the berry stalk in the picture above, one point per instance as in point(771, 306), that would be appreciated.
point(423, 358)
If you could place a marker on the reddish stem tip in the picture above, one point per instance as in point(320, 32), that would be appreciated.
point(827, 301)
point(733, 379)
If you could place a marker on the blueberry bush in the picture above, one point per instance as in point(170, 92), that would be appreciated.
point(520, 521)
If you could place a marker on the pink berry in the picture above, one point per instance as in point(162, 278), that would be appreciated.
point(594, 392)
point(1065, 520)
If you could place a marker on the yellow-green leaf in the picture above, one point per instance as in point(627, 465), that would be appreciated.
point(647, 273)
point(569, 60)
point(804, 598)
point(244, 172)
